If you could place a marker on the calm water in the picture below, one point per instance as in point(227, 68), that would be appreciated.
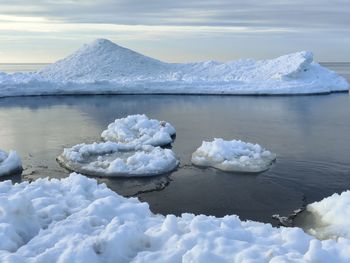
point(310, 134)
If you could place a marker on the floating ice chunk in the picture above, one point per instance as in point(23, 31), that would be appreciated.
point(9, 163)
point(77, 220)
point(136, 130)
point(328, 218)
point(233, 156)
point(113, 159)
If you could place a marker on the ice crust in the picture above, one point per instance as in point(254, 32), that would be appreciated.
point(9, 163)
point(103, 67)
point(233, 156)
point(77, 220)
point(137, 130)
point(114, 159)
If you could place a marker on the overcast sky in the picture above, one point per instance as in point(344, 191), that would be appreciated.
point(176, 31)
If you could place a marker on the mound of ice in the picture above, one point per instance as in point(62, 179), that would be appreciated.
point(102, 60)
point(76, 220)
point(233, 156)
point(329, 218)
point(9, 163)
point(113, 159)
point(103, 67)
point(136, 130)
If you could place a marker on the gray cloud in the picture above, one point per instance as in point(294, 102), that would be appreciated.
point(46, 30)
point(297, 14)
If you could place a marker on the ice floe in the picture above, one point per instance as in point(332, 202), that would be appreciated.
point(328, 218)
point(137, 130)
point(103, 67)
point(77, 220)
point(114, 159)
point(233, 156)
point(9, 163)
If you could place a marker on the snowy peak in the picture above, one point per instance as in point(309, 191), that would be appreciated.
point(292, 65)
point(102, 60)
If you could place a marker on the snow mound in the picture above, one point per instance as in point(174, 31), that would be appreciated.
point(113, 159)
point(103, 67)
point(102, 60)
point(329, 218)
point(233, 156)
point(77, 220)
point(9, 163)
point(137, 130)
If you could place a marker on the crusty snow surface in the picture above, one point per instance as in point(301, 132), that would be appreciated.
point(103, 67)
point(77, 220)
point(9, 163)
point(113, 159)
point(135, 130)
point(233, 156)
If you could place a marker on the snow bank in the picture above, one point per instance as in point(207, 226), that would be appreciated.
point(76, 220)
point(137, 130)
point(113, 159)
point(329, 218)
point(9, 163)
point(234, 156)
point(103, 67)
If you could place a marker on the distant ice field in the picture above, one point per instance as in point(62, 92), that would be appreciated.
point(103, 67)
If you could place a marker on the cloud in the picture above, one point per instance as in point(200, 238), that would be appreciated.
point(225, 13)
point(206, 29)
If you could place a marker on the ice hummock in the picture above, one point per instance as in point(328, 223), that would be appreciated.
point(9, 163)
point(233, 156)
point(328, 218)
point(77, 220)
point(103, 67)
point(112, 159)
point(135, 130)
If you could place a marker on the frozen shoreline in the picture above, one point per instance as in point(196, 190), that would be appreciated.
point(75, 219)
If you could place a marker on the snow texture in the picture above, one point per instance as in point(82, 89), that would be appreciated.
point(135, 130)
point(103, 67)
point(9, 163)
point(329, 218)
point(113, 159)
point(77, 220)
point(233, 156)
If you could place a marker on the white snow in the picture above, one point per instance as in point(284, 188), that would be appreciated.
point(113, 159)
point(76, 220)
point(9, 163)
point(329, 218)
point(135, 130)
point(103, 67)
point(234, 156)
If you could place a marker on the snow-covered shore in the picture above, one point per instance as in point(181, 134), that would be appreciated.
point(77, 220)
point(103, 67)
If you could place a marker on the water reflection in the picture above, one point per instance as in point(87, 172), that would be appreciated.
point(310, 134)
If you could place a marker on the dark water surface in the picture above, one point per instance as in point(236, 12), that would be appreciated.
point(309, 134)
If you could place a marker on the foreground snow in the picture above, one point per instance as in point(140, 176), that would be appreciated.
point(103, 67)
point(233, 156)
point(9, 163)
point(137, 130)
point(113, 159)
point(76, 220)
point(330, 217)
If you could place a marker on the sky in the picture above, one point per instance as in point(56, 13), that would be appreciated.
point(43, 31)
